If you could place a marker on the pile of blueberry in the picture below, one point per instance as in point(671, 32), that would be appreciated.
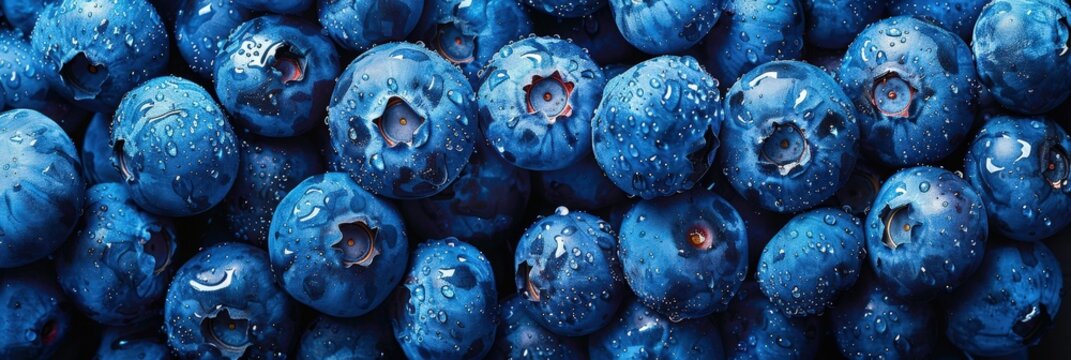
point(534, 179)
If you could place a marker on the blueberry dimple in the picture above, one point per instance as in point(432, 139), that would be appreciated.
point(358, 244)
point(84, 76)
point(399, 123)
point(786, 145)
point(1055, 167)
point(549, 96)
point(454, 45)
point(288, 63)
point(893, 95)
point(226, 333)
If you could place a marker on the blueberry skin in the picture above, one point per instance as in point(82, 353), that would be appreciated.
point(96, 151)
point(294, 7)
point(537, 100)
point(521, 337)
point(868, 324)
point(645, 158)
point(753, 32)
point(926, 233)
point(269, 169)
point(362, 338)
point(568, 256)
point(282, 88)
point(91, 53)
point(311, 250)
point(1010, 304)
point(174, 147)
point(374, 95)
point(116, 268)
point(228, 283)
point(582, 186)
point(753, 328)
point(642, 333)
point(141, 341)
point(201, 26)
point(790, 136)
point(42, 185)
point(1019, 166)
point(22, 14)
point(814, 259)
point(665, 27)
point(957, 16)
point(566, 8)
point(469, 33)
point(37, 318)
point(1018, 47)
point(832, 24)
point(358, 25)
point(482, 206)
point(911, 112)
point(596, 32)
point(446, 308)
point(23, 74)
point(684, 256)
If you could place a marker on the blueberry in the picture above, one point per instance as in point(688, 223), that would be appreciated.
point(96, 151)
point(42, 187)
point(116, 268)
point(1010, 304)
point(403, 121)
point(97, 50)
point(537, 100)
point(268, 169)
point(1020, 46)
point(23, 75)
point(790, 136)
point(361, 24)
point(926, 233)
point(566, 8)
point(446, 308)
point(362, 338)
point(814, 259)
point(22, 14)
point(277, 6)
point(1020, 167)
point(35, 319)
point(275, 74)
point(521, 337)
point(598, 33)
point(641, 333)
point(752, 328)
point(911, 112)
point(665, 27)
point(201, 26)
point(143, 340)
point(957, 16)
point(684, 256)
point(753, 32)
point(582, 186)
point(655, 132)
point(868, 324)
point(564, 257)
point(224, 303)
point(174, 147)
point(468, 34)
point(832, 24)
point(482, 206)
point(335, 247)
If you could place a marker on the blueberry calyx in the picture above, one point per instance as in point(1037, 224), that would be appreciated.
point(701, 236)
point(892, 95)
point(158, 246)
point(1065, 34)
point(900, 226)
point(84, 76)
point(357, 244)
point(550, 96)
point(121, 161)
point(399, 123)
point(227, 333)
point(531, 292)
point(1055, 168)
point(786, 147)
point(288, 62)
point(453, 45)
point(1032, 323)
point(49, 332)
